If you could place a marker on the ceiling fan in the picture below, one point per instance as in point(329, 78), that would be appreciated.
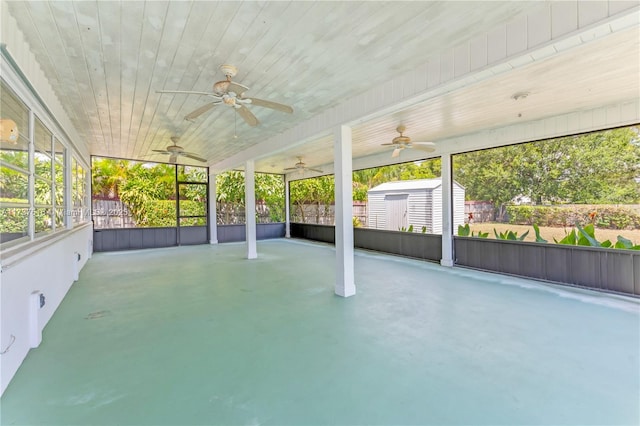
point(301, 167)
point(176, 150)
point(401, 142)
point(230, 93)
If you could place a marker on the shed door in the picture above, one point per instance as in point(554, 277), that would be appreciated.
point(396, 211)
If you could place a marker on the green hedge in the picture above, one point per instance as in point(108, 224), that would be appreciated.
point(158, 213)
point(605, 216)
point(16, 219)
point(12, 219)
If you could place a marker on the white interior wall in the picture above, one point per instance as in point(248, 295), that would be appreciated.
point(49, 268)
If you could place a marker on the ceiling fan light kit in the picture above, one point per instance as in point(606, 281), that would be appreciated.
point(230, 93)
point(301, 166)
point(402, 142)
point(175, 150)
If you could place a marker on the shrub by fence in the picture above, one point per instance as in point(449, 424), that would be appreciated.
point(603, 216)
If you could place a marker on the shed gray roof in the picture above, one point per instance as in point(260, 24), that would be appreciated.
point(408, 184)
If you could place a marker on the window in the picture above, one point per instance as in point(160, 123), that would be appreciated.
point(43, 179)
point(192, 196)
point(14, 167)
point(59, 157)
point(33, 170)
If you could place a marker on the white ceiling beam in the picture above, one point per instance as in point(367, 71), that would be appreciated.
point(607, 116)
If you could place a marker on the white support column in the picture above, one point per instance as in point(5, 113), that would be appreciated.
point(250, 208)
point(287, 203)
point(345, 283)
point(447, 212)
point(213, 223)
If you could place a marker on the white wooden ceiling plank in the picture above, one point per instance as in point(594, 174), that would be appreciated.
point(172, 31)
point(155, 15)
point(82, 101)
point(292, 53)
point(130, 30)
point(52, 63)
point(173, 108)
point(89, 29)
point(109, 20)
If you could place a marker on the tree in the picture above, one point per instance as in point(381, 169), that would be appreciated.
point(596, 168)
point(318, 191)
point(230, 194)
point(107, 175)
point(368, 178)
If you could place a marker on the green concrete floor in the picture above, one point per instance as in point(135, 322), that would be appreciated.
point(199, 335)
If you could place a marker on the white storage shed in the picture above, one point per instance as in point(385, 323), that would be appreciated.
point(400, 204)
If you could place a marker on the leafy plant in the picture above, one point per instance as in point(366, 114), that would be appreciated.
point(356, 222)
point(624, 243)
point(465, 231)
point(587, 237)
point(509, 235)
point(424, 230)
point(569, 239)
point(403, 229)
point(539, 239)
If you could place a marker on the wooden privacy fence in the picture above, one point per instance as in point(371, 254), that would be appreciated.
point(111, 214)
point(114, 214)
point(323, 214)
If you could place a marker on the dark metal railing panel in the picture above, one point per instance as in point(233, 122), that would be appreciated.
point(636, 274)
point(235, 233)
point(420, 246)
point(323, 233)
point(266, 231)
point(191, 235)
point(590, 267)
point(133, 238)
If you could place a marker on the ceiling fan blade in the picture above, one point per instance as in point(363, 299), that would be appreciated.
point(160, 151)
point(193, 157)
point(314, 170)
point(247, 116)
point(396, 152)
point(238, 88)
point(173, 158)
point(272, 105)
point(424, 146)
point(189, 92)
point(388, 144)
point(198, 112)
point(291, 168)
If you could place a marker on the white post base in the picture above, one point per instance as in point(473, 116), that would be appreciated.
point(446, 262)
point(347, 291)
